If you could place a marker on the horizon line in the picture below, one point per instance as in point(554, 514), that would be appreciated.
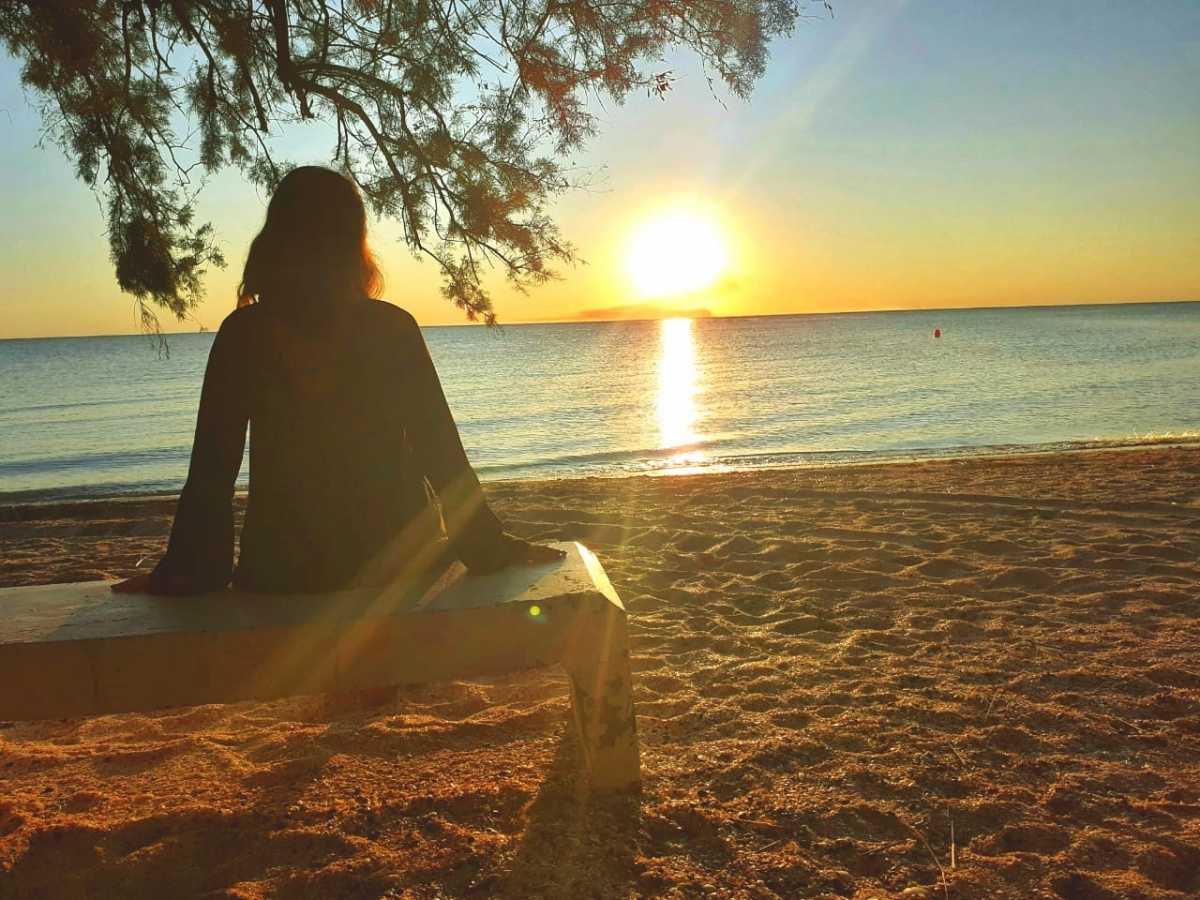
point(578, 321)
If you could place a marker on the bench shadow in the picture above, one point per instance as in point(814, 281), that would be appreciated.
point(188, 853)
point(576, 843)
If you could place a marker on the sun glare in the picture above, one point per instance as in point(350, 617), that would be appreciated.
point(674, 254)
point(677, 387)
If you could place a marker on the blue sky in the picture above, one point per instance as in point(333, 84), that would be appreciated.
point(900, 154)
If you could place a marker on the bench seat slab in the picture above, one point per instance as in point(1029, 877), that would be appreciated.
point(70, 650)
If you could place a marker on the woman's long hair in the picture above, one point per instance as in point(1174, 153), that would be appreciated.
point(313, 250)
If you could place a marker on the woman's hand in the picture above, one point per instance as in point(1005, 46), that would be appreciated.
point(168, 586)
point(138, 584)
point(516, 552)
point(526, 553)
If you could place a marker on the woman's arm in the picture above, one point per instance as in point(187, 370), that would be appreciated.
point(475, 533)
point(199, 556)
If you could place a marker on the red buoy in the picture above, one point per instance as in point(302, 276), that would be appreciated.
point(937, 332)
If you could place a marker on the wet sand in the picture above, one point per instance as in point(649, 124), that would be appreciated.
point(834, 667)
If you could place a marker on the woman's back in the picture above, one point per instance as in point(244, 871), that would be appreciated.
point(347, 424)
point(330, 468)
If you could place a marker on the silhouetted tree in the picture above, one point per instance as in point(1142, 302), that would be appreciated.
point(451, 116)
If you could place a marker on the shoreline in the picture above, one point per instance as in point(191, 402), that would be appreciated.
point(831, 666)
point(40, 498)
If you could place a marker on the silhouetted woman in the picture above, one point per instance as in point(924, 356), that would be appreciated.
point(350, 433)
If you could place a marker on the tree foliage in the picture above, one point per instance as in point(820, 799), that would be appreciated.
point(452, 116)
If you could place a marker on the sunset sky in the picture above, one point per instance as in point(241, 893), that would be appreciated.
point(898, 155)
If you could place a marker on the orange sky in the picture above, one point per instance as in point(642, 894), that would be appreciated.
point(900, 155)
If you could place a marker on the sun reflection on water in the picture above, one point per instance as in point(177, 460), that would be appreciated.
point(678, 387)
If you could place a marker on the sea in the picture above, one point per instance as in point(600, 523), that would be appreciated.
point(96, 416)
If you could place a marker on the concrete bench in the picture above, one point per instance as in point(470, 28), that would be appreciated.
point(70, 650)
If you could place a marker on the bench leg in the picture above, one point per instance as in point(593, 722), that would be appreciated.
point(597, 662)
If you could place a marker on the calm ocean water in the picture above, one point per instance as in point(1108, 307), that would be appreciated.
point(87, 416)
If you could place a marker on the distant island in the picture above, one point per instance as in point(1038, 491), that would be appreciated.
point(641, 311)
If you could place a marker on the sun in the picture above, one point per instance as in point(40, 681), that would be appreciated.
point(676, 253)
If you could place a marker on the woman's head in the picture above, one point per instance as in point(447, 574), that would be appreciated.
point(313, 247)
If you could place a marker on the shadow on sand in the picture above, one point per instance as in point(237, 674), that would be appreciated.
point(568, 841)
point(575, 843)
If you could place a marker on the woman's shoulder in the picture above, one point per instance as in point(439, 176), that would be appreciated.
point(392, 324)
point(380, 313)
point(390, 312)
point(241, 318)
point(238, 323)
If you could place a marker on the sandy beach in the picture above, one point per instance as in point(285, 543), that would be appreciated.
point(837, 671)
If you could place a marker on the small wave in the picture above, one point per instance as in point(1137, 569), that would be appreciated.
point(673, 461)
point(94, 491)
point(117, 458)
point(570, 460)
point(690, 460)
point(46, 407)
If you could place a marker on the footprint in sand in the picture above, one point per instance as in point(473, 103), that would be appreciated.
point(944, 567)
point(1023, 578)
point(1025, 838)
point(791, 719)
point(803, 625)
